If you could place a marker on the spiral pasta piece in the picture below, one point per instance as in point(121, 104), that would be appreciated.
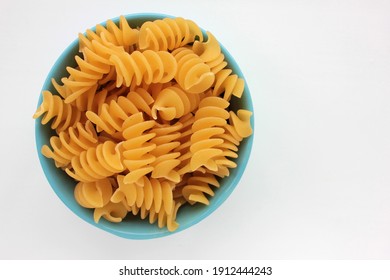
point(229, 147)
point(155, 89)
point(112, 116)
point(84, 78)
point(93, 194)
point(103, 92)
point(78, 84)
point(229, 142)
point(168, 34)
point(137, 149)
point(111, 34)
point(152, 193)
point(210, 53)
point(197, 186)
point(241, 122)
point(94, 102)
point(54, 108)
point(166, 159)
point(122, 35)
point(147, 66)
point(162, 218)
point(70, 143)
point(91, 69)
point(209, 121)
point(96, 163)
point(229, 84)
point(223, 138)
point(173, 103)
point(112, 212)
point(141, 99)
point(193, 75)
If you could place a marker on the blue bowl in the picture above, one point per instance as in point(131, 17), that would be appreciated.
point(63, 185)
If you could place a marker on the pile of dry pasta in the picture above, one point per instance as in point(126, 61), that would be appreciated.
point(143, 122)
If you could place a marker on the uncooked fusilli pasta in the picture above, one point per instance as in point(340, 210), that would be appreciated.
point(143, 122)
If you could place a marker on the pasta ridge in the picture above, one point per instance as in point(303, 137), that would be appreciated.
point(168, 34)
point(241, 122)
point(84, 78)
point(54, 108)
point(228, 84)
point(209, 121)
point(198, 186)
point(93, 194)
point(122, 35)
point(70, 143)
point(112, 212)
point(137, 156)
point(112, 115)
point(147, 66)
point(173, 102)
point(162, 218)
point(193, 75)
point(210, 53)
point(96, 163)
point(152, 194)
point(166, 159)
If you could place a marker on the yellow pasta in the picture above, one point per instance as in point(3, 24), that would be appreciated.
point(122, 35)
point(173, 103)
point(166, 159)
point(94, 102)
point(197, 186)
point(241, 122)
point(168, 34)
point(152, 193)
point(162, 218)
point(143, 122)
point(70, 143)
point(137, 149)
point(185, 143)
point(95, 64)
point(148, 66)
point(228, 84)
point(193, 75)
point(54, 108)
point(111, 115)
point(93, 194)
point(209, 121)
point(96, 163)
point(113, 212)
point(210, 53)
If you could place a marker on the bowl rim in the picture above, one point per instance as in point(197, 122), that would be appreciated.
point(113, 228)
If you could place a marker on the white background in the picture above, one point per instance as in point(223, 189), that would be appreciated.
point(317, 184)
